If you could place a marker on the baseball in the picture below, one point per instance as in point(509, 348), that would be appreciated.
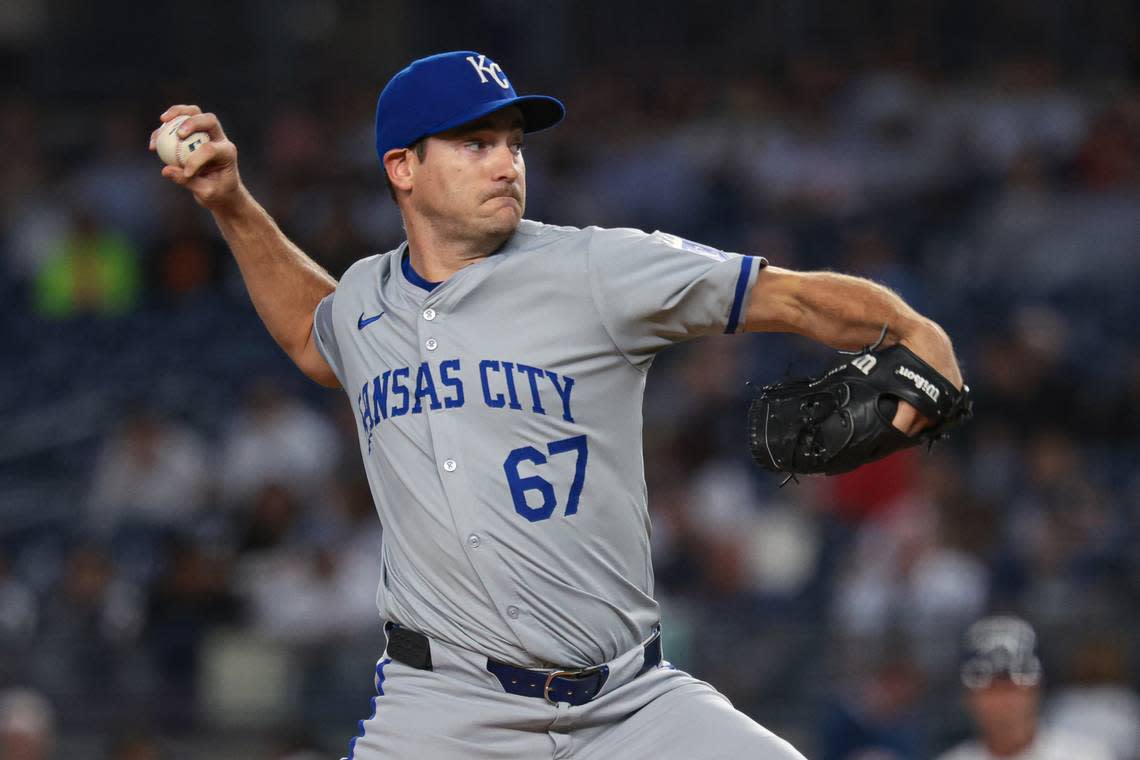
point(174, 150)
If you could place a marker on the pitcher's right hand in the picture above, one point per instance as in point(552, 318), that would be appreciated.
point(211, 172)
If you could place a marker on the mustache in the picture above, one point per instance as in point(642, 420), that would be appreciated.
point(505, 192)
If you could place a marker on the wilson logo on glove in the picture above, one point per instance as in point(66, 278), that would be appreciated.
point(920, 382)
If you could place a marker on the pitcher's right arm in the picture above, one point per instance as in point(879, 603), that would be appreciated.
point(284, 284)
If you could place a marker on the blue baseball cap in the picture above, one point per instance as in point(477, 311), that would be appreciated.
point(446, 90)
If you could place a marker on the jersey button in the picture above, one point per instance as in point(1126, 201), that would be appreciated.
point(474, 541)
point(429, 314)
point(513, 612)
point(432, 344)
point(450, 465)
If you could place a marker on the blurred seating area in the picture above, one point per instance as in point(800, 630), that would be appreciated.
point(188, 549)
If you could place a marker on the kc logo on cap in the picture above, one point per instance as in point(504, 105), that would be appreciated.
point(447, 90)
point(494, 70)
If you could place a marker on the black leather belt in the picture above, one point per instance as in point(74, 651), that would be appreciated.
point(576, 687)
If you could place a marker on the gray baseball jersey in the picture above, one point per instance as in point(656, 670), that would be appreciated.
point(500, 422)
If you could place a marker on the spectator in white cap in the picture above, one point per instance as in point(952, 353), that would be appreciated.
point(1002, 676)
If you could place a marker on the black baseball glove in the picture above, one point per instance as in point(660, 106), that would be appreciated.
point(842, 419)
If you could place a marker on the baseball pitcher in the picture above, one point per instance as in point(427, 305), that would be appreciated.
point(496, 368)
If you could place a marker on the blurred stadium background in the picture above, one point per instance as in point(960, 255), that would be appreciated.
point(187, 544)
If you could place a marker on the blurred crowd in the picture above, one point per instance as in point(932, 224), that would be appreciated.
point(172, 491)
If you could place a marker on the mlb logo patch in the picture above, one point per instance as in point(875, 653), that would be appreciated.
point(700, 249)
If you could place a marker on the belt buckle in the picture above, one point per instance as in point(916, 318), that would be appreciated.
point(550, 679)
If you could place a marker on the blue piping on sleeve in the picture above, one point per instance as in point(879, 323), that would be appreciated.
point(741, 289)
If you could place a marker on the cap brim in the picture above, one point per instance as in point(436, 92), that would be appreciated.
point(538, 111)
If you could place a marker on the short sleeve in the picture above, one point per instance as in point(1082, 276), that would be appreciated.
point(326, 336)
point(653, 290)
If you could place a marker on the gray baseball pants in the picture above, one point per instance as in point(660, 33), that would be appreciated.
point(458, 710)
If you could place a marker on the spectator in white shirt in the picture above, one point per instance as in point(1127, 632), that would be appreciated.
point(1002, 676)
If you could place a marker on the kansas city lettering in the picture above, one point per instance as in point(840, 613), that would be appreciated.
point(503, 384)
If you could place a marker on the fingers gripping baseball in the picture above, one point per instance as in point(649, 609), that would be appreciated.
point(203, 122)
point(210, 171)
point(210, 174)
point(169, 115)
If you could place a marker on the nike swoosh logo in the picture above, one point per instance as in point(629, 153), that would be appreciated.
point(362, 322)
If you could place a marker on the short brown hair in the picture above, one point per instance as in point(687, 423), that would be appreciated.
point(420, 147)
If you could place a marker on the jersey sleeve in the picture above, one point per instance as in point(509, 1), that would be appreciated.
point(653, 290)
point(325, 333)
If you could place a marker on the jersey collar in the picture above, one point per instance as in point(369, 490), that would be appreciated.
point(412, 276)
point(399, 274)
